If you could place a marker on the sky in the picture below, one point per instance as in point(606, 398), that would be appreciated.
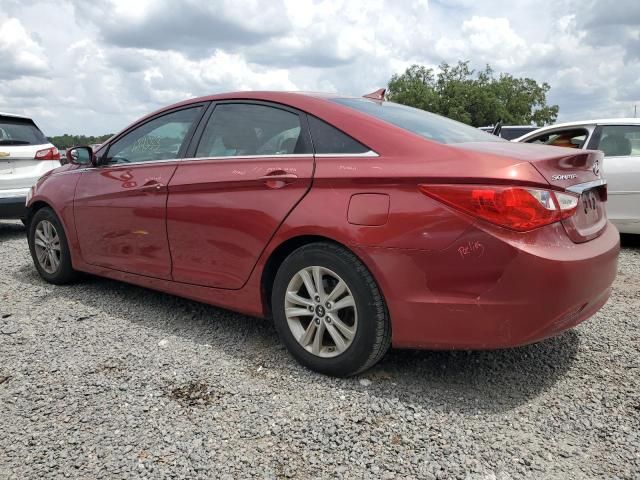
point(93, 66)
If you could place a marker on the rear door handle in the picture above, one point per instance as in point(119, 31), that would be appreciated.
point(278, 179)
point(280, 176)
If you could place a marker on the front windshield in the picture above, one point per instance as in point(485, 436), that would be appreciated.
point(426, 124)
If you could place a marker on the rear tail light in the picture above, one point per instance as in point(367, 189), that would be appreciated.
point(48, 154)
point(517, 208)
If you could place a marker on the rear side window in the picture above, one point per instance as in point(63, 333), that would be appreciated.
point(428, 125)
point(511, 133)
point(328, 139)
point(620, 140)
point(244, 129)
point(20, 131)
point(571, 138)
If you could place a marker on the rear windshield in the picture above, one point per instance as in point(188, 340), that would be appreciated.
point(426, 124)
point(20, 131)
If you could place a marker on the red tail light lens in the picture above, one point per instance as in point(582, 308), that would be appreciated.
point(48, 154)
point(517, 208)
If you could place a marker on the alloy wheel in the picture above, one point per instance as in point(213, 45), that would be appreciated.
point(321, 311)
point(47, 246)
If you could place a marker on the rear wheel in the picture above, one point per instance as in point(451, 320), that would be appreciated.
point(329, 311)
point(49, 248)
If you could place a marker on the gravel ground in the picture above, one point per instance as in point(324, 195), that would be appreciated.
point(107, 380)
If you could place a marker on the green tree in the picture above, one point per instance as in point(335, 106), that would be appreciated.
point(476, 98)
point(66, 140)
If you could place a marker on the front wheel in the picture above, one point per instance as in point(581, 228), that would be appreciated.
point(49, 248)
point(328, 310)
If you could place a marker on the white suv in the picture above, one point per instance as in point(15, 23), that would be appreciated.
point(25, 155)
point(619, 140)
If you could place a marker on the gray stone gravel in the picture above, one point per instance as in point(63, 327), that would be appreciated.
point(106, 380)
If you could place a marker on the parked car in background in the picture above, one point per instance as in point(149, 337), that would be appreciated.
point(25, 155)
point(356, 223)
point(619, 140)
point(509, 132)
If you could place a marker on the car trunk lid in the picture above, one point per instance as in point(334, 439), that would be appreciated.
point(576, 171)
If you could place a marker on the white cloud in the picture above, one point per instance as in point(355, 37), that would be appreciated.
point(487, 39)
point(19, 53)
point(93, 67)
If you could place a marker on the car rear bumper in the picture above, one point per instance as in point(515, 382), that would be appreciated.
point(494, 289)
point(13, 207)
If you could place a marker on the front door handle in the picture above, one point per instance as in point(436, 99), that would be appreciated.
point(152, 186)
point(278, 179)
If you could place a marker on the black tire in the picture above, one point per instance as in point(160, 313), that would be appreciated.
point(64, 273)
point(373, 334)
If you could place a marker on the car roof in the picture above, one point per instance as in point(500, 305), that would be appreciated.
point(306, 101)
point(14, 115)
point(600, 121)
point(375, 133)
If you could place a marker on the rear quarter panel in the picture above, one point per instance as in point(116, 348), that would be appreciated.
point(414, 221)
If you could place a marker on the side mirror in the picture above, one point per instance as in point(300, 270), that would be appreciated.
point(81, 156)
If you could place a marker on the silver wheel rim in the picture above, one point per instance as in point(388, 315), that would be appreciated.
point(47, 246)
point(321, 311)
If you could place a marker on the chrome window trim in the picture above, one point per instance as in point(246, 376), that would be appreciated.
point(126, 164)
point(250, 157)
point(368, 153)
point(581, 187)
point(113, 165)
point(69, 172)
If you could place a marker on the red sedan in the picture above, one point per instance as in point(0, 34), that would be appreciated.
point(355, 223)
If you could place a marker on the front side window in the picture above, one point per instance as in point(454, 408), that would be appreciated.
point(620, 140)
point(428, 125)
point(243, 129)
point(160, 139)
point(571, 138)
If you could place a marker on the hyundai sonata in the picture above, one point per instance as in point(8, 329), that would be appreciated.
point(356, 223)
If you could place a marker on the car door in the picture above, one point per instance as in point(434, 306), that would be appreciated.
point(251, 163)
point(621, 147)
point(120, 205)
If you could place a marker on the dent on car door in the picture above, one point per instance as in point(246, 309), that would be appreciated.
point(120, 206)
point(252, 164)
point(621, 147)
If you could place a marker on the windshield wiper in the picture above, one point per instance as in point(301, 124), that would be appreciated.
point(14, 142)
